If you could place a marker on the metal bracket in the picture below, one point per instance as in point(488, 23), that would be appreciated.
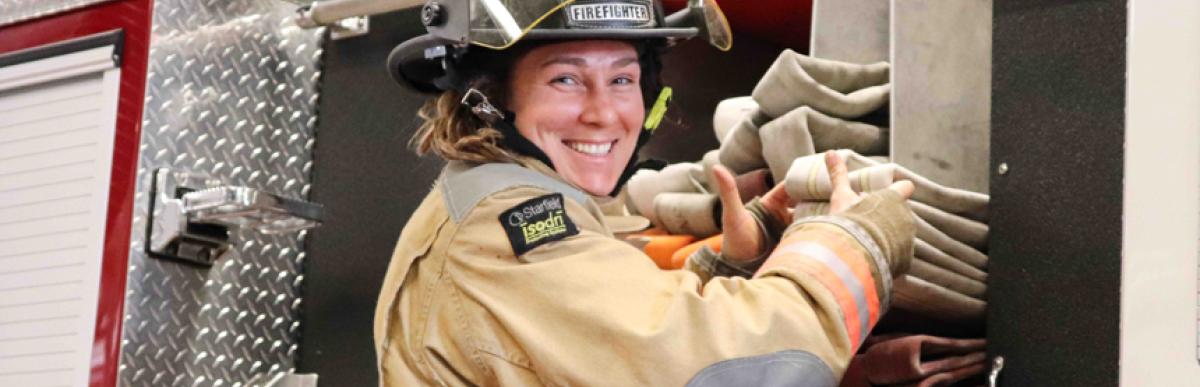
point(191, 215)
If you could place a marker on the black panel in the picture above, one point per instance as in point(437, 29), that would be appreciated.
point(1058, 122)
point(370, 182)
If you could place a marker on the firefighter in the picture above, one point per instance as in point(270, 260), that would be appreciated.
point(507, 273)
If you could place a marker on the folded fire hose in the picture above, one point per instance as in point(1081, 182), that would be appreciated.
point(802, 107)
point(839, 89)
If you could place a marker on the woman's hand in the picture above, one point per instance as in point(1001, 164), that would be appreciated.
point(843, 197)
point(743, 239)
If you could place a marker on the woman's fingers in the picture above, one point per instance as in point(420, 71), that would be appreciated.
point(777, 202)
point(904, 188)
point(843, 196)
point(777, 197)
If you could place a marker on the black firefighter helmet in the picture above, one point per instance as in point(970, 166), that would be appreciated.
point(431, 62)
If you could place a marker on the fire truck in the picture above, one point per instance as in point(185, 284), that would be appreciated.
point(207, 192)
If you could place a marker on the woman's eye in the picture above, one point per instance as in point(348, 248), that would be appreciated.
point(624, 81)
point(565, 80)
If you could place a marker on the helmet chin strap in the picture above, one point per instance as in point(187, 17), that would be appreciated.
point(505, 122)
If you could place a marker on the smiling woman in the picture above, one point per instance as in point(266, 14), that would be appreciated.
point(588, 97)
point(579, 102)
point(509, 272)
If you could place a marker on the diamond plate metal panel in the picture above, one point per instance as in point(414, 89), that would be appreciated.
point(12, 11)
point(231, 92)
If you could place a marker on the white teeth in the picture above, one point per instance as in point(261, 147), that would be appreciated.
point(591, 149)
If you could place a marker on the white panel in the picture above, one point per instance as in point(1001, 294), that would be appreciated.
point(1162, 189)
point(68, 205)
point(61, 123)
point(49, 111)
point(16, 247)
point(37, 177)
point(49, 92)
point(55, 166)
point(43, 160)
point(89, 61)
point(39, 193)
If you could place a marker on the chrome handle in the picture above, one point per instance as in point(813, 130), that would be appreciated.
point(237, 207)
point(192, 215)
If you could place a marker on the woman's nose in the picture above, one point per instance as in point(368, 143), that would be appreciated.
point(599, 110)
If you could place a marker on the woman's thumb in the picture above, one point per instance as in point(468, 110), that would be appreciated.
point(731, 201)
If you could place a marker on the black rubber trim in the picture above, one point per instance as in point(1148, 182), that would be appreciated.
point(115, 38)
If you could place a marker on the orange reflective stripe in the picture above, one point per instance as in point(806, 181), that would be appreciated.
point(846, 249)
point(849, 307)
point(836, 261)
point(830, 281)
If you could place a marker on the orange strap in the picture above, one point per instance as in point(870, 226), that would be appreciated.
point(661, 248)
point(713, 242)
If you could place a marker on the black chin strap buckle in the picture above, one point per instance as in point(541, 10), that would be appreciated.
point(480, 106)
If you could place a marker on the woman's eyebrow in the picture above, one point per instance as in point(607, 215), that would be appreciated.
point(580, 62)
point(567, 60)
point(625, 62)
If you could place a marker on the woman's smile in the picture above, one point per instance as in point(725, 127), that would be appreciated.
point(591, 148)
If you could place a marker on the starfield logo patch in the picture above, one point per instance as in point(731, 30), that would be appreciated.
point(536, 222)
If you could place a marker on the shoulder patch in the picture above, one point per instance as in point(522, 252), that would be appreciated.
point(536, 222)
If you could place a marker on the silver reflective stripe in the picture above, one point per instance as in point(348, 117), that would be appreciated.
point(885, 270)
point(464, 185)
point(791, 368)
point(822, 254)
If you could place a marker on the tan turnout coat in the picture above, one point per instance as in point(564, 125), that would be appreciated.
point(567, 304)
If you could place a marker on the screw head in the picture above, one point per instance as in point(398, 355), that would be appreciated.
point(432, 14)
point(1002, 169)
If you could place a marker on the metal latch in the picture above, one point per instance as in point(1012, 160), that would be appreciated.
point(191, 215)
point(994, 374)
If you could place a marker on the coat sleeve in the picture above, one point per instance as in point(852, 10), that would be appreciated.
point(592, 310)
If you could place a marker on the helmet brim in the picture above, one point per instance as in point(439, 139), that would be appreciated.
point(410, 67)
point(614, 34)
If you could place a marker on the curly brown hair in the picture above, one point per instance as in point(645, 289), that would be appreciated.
point(453, 133)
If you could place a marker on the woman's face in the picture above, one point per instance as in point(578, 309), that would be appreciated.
point(581, 103)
